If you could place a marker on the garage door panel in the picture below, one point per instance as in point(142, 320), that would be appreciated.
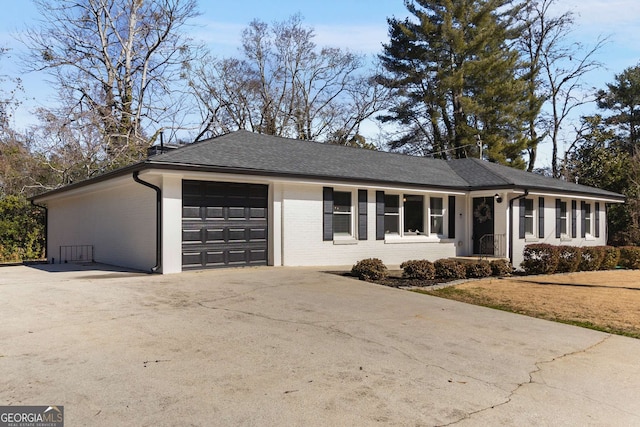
point(237, 212)
point(191, 235)
point(191, 212)
point(224, 224)
point(214, 212)
point(215, 235)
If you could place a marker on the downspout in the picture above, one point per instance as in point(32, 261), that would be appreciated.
point(158, 191)
point(522, 196)
point(46, 228)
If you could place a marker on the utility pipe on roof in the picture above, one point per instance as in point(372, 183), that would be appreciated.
point(158, 191)
point(522, 196)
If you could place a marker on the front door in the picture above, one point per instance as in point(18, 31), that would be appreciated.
point(483, 225)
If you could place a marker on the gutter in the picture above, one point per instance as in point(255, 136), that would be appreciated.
point(158, 191)
point(46, 228)
point(522, 196)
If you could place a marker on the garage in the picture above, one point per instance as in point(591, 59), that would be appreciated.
point(224, 224)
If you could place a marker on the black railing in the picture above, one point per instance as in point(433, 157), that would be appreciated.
point(493, 245)
point(76, 253)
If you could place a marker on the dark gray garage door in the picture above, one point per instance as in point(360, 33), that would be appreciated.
point(223, 224)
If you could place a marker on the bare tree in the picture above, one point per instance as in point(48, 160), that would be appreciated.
point(556, 68)
point(284, 85)
point(116, 59)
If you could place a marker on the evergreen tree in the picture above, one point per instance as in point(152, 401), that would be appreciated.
point(455, 78)
point(623, 99)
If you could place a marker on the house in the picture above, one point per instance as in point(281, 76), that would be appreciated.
point(249, 199)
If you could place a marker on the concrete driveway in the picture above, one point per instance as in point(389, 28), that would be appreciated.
point(295, 347)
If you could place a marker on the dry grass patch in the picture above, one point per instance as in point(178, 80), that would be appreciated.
point(604, 300)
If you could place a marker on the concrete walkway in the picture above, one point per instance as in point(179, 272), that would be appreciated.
point(295, 347)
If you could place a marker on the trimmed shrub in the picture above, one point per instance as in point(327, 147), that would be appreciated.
point(418, 269)
point(540, 258)
point(630, 257)
point(591, 258)
point(478, 270)
point(501, 267)
point(610, 258)
point(568, 259)
point(449, 269)
point(369, 269)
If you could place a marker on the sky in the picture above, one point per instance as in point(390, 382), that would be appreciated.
point(357, 25)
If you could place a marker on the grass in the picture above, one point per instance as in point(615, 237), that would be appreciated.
point(483, 297)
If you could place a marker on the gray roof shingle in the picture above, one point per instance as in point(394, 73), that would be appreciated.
point(248, 152)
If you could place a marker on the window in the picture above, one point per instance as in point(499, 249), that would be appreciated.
point(563, 218)
point(341, 213)
point(436, 215)
point(587, 218)
point(391, 214)
point(413, 214)
point(528, 216)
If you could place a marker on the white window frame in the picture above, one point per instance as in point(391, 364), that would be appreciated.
point(588, 220)
point(566, 235)
point(350, 213)
point(440, 215)
point(397, 215)
point(423, 229)
point(530, 233)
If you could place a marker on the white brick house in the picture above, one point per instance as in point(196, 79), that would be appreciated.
point(249, 199)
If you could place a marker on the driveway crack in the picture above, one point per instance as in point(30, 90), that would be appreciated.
point(538, 366)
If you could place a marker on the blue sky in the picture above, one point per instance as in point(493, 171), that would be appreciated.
point(357, 25)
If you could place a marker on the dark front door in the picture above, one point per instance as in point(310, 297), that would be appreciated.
point(223, 224)
point(483, 225)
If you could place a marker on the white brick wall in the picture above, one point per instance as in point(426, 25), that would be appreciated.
point(302, 234)
point(550, 227)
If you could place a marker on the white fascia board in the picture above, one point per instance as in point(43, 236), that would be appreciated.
point(261, 179)
point(575, 196)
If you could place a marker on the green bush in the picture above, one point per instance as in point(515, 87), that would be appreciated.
point(478, 270)
point(630, 257)
point(418, 269)
point(610, 258)
point(501, 267)
point(540, 258)
point(568, 259)
point(449, 269)
point(21, 230)
point(369, 269)
point(591, 258)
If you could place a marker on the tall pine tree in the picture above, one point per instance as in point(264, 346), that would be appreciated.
point(456, 79)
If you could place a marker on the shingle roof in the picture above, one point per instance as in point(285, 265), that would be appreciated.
point(248, 152)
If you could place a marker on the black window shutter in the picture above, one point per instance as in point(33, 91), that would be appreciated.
point(541, 217)
point(583, 219)
point(379, 215)
point(362, 214)
point(452, 217)
point(597, 222)
point(574, 219)
point(522, 218)
point(558, 217)
point(327, 213)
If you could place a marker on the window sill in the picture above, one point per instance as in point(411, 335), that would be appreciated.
point(565, 238)
point(590, 238)
point(414, 239)
point(531, 238)
point(345, 241)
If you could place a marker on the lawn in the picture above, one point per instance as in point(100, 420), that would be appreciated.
point(608, 301)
